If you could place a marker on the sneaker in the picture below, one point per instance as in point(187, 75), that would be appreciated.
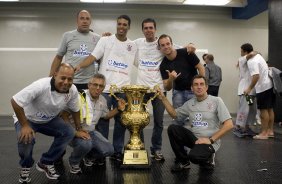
point(178, 167)
point(238, 132)
point(75, 169)
point(24, 175)
point(100, 161)
point(87, 162)
point(49, 170)
point(117, 157)
point(250, 132)
point(157, 155)
point(210, 164)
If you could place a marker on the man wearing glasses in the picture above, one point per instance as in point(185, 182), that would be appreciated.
point(90, 144)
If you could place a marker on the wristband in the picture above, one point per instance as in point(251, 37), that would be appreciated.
point(211, 140)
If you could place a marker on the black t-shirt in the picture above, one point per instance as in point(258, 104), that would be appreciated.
point(183, 63)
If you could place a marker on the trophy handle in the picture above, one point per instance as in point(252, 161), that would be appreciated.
point(114, 89)
point(153, 97)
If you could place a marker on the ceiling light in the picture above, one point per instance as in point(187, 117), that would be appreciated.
point(207, 2)
point(9, 0)
point(103, 1)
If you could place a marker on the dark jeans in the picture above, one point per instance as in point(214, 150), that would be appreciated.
point(119, 129)
point(62, 132)
point(180, 137)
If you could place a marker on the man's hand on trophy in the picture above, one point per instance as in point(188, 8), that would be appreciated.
point(121, 104)
point(160, 93)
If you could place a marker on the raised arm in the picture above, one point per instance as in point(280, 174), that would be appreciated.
point(169, 108)
point(86, 62)
point(201, 69)
point(55, 64)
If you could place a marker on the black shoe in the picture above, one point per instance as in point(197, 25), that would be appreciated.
point(49, 170)
point(100, 161)
point(24, 175)
point(178, 167)
point(117, 157)
point(210, 164)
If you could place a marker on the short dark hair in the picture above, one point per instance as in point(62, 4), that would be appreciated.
point(149, 20)
point(247, 47)
point(164, 36)
point(210, 57)
point(126, 17)
point(204, 55)
point(199, 77)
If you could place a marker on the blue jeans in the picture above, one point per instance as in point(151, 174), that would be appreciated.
point(179, 97)
point(62, 132)
point(119, 130)
point(96, 147)
point(158, 114)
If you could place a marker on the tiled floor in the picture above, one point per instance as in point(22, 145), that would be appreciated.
point(238, 161)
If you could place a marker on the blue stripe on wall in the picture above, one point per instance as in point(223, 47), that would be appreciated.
point(253, 8)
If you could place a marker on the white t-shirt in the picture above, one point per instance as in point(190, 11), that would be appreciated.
point(148, 60)
point(117, 61)
point(41, 104)
point(245, 76)
point(257, 65)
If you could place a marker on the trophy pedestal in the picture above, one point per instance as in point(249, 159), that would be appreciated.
point(135, 159)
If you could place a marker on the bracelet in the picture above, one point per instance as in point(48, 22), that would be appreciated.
point(211, 140)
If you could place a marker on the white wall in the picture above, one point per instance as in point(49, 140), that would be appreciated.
point(25, 29)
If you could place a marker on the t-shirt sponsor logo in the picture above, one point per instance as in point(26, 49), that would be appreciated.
point(43, 116)
point(197, 122)
point(83, 51)
point(149, 63)
point(117, 64)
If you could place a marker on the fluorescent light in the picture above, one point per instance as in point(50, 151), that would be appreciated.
point(103, 1)
point(207, 2)
point(9, 0)
point(91, 1)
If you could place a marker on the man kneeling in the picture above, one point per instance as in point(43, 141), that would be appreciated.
point(88, 142)
point(206, 113)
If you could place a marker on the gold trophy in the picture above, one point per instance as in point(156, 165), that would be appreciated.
point(135, 118)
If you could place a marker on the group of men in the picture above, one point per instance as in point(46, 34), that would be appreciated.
point(255, 83)
point(45, 105)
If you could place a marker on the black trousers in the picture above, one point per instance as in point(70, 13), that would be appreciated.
point(180, 137)
point(213, 90)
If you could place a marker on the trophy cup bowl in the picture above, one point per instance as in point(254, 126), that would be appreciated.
point(135, 118)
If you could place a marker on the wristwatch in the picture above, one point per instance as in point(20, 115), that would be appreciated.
point(211, 140)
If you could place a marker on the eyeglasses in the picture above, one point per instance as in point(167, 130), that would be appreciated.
point(95, 85)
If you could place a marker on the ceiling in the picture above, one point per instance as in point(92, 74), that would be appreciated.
point(232, 3)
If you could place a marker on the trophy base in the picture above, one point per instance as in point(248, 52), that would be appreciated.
point(135, 159)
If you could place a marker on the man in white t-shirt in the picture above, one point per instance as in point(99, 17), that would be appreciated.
point(36, 111)
point(262, 83)
point(246, 114)
point(76, 45)
point(117, 54)
point(148, 60)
